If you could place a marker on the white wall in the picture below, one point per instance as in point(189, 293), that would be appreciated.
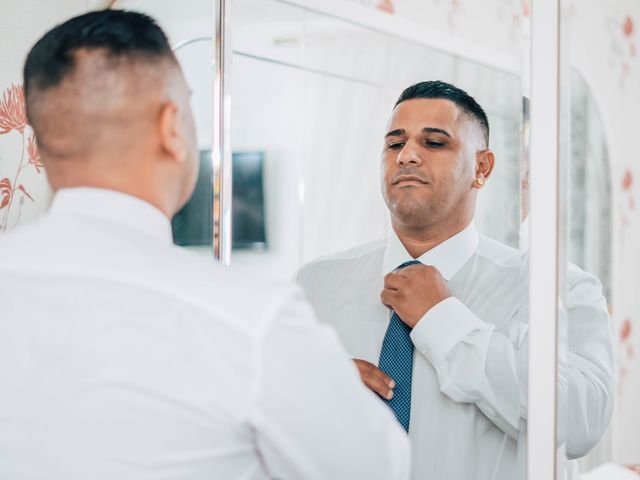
point(491, 23)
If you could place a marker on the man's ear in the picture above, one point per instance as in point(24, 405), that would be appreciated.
point(172, 141)
point(484, 167)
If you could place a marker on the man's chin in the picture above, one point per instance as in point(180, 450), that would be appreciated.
point(412, 214)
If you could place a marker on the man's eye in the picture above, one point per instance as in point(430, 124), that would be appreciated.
point(433, 144)
point(396, 145)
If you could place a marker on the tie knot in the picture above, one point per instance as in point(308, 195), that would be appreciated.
point(406, 264)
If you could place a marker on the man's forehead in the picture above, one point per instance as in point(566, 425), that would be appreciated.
point(422, 112)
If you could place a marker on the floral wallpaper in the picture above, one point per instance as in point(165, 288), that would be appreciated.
point(622, 47)
point(621, 101)
point(626, 353)
point(385, 6)
point(13, 191)
point(24, 191)
point(608, 59)
point(627, 204)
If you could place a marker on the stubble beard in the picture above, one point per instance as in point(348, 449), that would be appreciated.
point(413, 214)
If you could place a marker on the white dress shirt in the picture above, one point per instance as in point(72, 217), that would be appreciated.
point(125, 357)
point(469, 388)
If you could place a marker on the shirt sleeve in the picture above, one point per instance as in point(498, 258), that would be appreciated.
point(477, 364)
point(474, 363)
point(313, 418)
point(590, 363)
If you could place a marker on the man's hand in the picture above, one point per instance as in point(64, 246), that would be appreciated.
point(413, 291)
point(375, 379)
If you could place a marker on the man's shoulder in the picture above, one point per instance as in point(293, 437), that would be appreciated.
point(21, 232)
point(500, 254)
point(241, 288)
point(207, 269)
point(349, 258)
point(352, 254)
point(136, 262)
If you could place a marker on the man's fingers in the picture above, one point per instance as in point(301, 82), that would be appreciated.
point(368, 368)
point(379, 386)
point(376, 379)
point(393, 281)
point(389, 297)
point(410, 269)
point(386, 379)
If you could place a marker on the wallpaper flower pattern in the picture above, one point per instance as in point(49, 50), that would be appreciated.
point(628, 204)
point(626, 352)
point(13, 121)
point(622, 48)
point(385, 6)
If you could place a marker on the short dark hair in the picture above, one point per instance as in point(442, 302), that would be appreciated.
point(118, 33)
point(436, 89)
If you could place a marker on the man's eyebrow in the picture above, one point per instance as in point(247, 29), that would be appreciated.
point(400, 132)
point(395, 133)
point(436, 130)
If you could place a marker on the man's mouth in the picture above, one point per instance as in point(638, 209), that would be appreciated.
point(409, 180)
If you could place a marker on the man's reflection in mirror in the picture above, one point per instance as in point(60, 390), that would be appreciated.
point(435, 316)
point(586, 379)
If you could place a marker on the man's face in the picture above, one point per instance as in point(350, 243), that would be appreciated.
point(428, 162)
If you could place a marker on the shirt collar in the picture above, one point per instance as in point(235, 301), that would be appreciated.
point(448, 257)
point(113, 206)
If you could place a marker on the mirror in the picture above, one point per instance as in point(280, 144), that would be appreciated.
point(312, 87)
point(598, 51)
point(191, 33)
point(329, 85)
point(590, 223)
point(313, 90)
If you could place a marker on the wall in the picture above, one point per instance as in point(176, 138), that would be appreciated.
point(466, 19)
point(24, 192)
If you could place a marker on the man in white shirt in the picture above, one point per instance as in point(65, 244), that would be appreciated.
point(125, 357)
point(444, 341)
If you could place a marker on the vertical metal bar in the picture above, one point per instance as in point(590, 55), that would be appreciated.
point(222, 179)
point(544, 238)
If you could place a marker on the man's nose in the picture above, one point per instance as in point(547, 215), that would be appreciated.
point(409, 155)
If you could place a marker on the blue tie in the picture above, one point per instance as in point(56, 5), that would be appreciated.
point(396, 360)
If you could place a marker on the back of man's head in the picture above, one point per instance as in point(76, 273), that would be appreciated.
point(436, 89)
point(107, 101)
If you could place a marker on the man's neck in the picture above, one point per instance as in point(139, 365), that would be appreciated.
point(131, 183)
point(418, 242)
